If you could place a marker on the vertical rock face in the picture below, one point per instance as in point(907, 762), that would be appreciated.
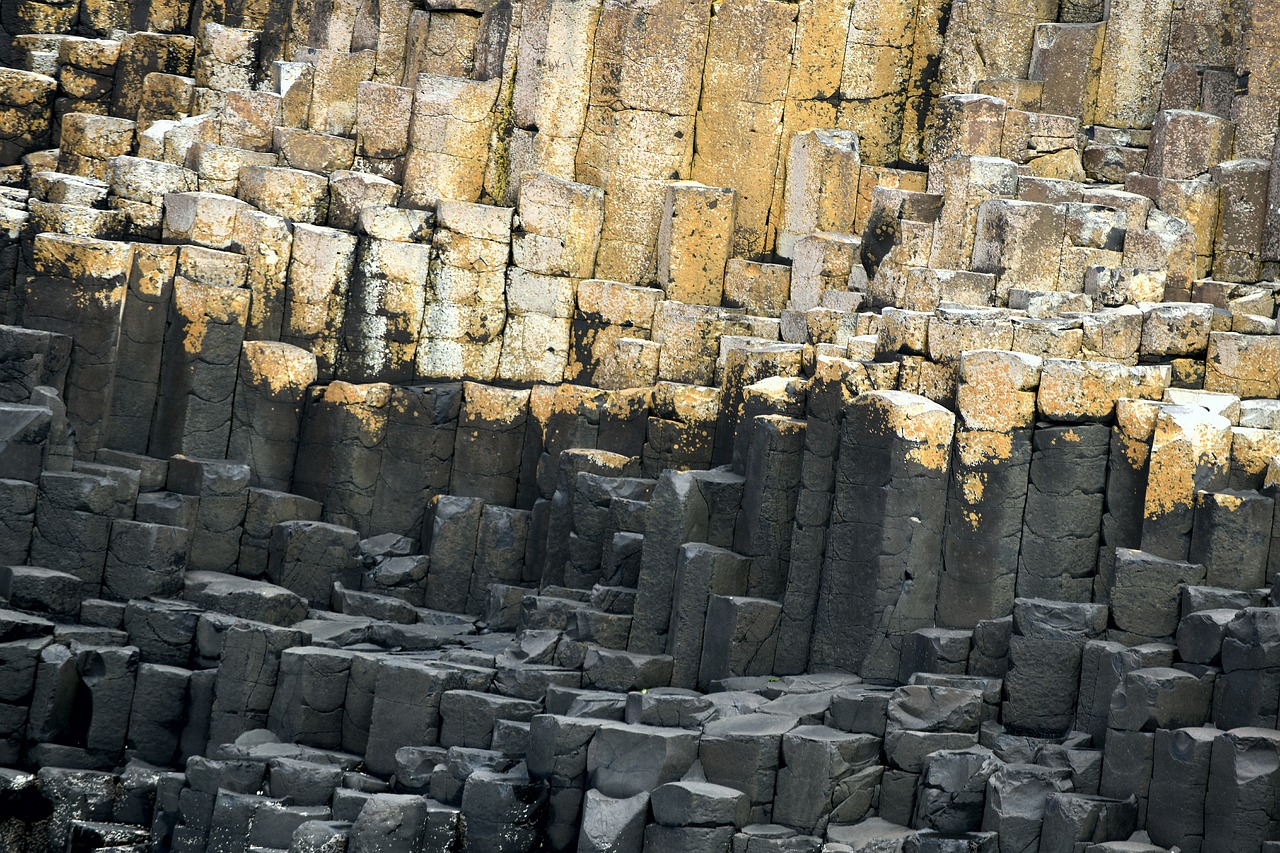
point(599, 425)
point(880, 577)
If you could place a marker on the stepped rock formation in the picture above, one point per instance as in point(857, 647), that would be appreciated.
point(605, 425)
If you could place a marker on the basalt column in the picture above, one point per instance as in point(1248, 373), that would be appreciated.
point(988, 492)
point(828, 400)
point(880, 576)
point(1064, 512)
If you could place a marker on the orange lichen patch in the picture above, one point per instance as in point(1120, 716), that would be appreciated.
point(80, 258)
point(1228, 502)
point(688, 402)
point(973, 486)
point(916, 420)
point(995, 391)
point(202, 304)
point(152, 269)
point(994, 406)
point(374, 394)
point(1070, 436)
point(1087, 390)
point(1245, 365)
point(366, 404)
point(1253, 449)
point(486, 404)
point(284, 370)
point(1189, 449)
point(1135, 423)
point(1272, 479)
point(983, 447)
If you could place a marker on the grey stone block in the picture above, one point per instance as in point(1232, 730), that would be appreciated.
point(699, 804)
point(626, 760)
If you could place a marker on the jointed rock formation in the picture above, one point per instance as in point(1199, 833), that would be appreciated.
point(603, 425)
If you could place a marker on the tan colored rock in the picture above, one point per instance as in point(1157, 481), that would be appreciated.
point(815, 74)
point(1244, 365)
point(650, 58)
point(744, 85)
point(394, 223)
point(1190, 452)
point(969, 125)
point(267, 243)
point(997, 390)
point(903, 331)
point(762, 289)
point(1124, 286)
point(448, 139)
point(335, 87)
point(534, 293)
point(1174, 155)
point(351, 192)
point(1252, 452)
point(314, 152)
point(89, 141)
point(559, 226)
point(148, 181)
point(1169, 252)
point(270, 391)
point(218, 167)
point(695, 241)
point(953, 331)
point(822, 175)
point(925, 288)
point(1176, 329)
point(1253, 109)
point(211, 267)
point(552, 84)
point(289, 193)
point(632, 363)
point(870, 177)
point(1048, 337)
point(205, 219)
point(1133, 58)
point(633, 154)
point(384, 313)
point(293, 82)
point(692, 334)
point(873, 80)
point(535, 348)
point(449, 46)
point(382, 122)
point(249, 119)
point(618, 304)
point(1073, 391)
point(923, 85)
point(320, 268)
point(391, 42)
point(821, 262)
point(965, 182)
point(1112, 334)
point(1020, 243)
point(226, 57)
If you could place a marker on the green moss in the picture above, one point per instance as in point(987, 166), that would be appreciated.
point(503, 127)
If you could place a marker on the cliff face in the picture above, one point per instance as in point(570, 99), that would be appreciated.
point(620, 425)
